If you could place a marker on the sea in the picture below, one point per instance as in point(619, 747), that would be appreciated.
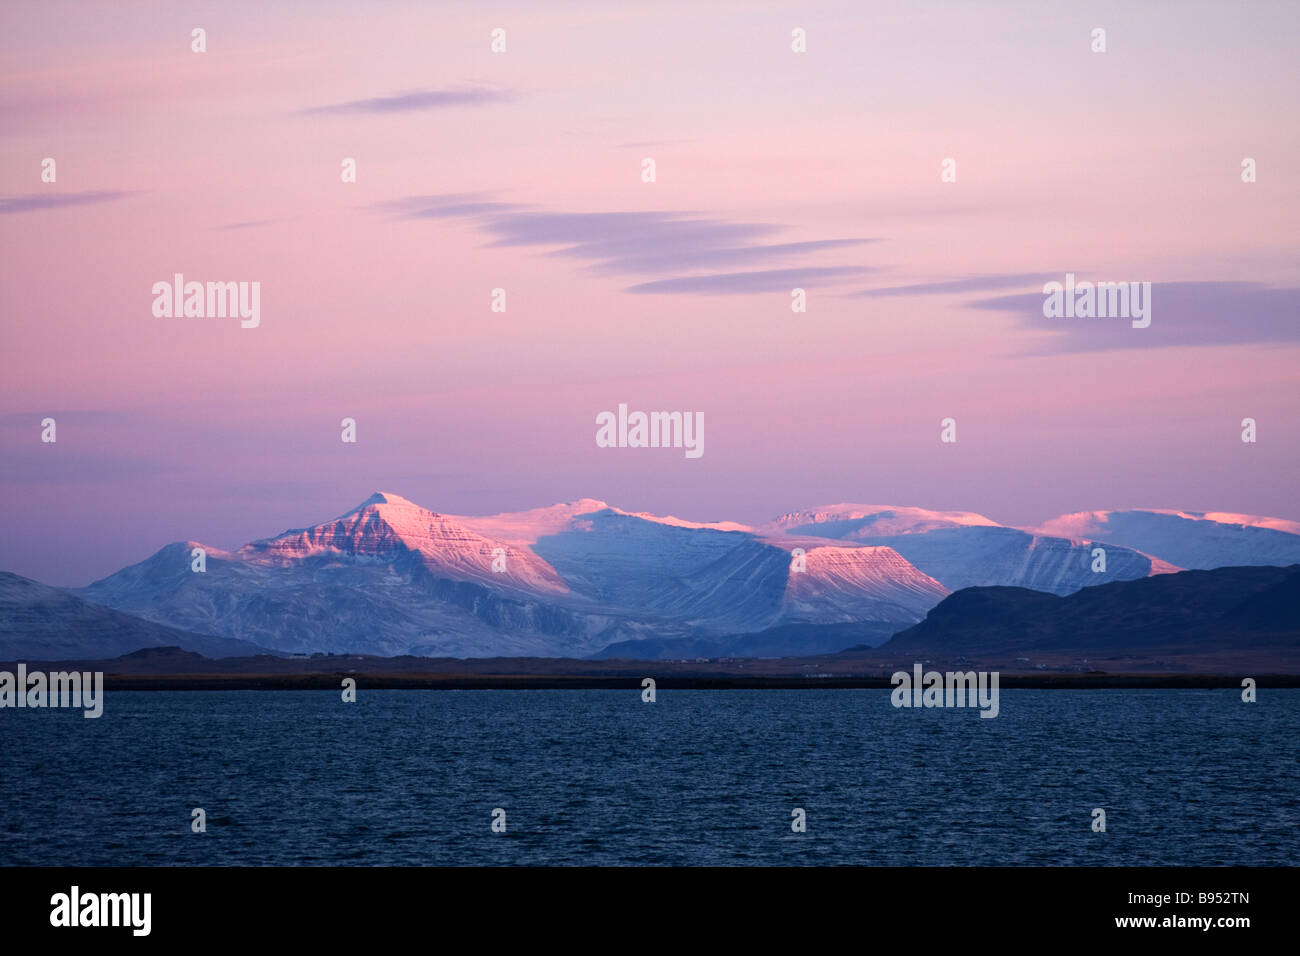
point(696, 777)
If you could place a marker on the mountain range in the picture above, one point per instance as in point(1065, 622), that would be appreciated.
point(585, 579)
point(38, 622)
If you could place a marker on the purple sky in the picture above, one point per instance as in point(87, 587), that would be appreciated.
point(522, 170)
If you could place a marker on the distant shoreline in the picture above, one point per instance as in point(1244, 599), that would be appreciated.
point(171, 668)
point(333, 682)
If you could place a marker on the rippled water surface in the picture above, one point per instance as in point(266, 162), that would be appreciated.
point(698, 777)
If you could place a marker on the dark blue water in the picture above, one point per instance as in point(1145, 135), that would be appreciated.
point(699, 777)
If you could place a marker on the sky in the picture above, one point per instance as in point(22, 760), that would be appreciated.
point(522, 170)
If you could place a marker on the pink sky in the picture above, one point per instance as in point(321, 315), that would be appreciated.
point(375, 298)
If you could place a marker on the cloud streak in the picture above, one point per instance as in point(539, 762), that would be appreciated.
point(742, 283)
point(1182, 314)
point(643, 243)
point(246, 224)
point(955, 286)
point(412, 102)
point(42, 202)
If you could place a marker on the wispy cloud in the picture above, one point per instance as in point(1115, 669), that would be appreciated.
point(741, 283)
point(29, 422)
point(1182, 314)
point(448, 206)
point(644, 243)
point(415, 101)
point(954, 286)
point(39, 202)
point(674, 259)
point(246, 224)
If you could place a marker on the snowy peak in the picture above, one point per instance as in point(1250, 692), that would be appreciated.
point(384, 498)
point(1092, 523)
point(675, 522)
point(575, 578)
point(1251, 521)
point(852, 521)
point(717, 575)
point(527, 527)
point(386, 526)
point(960, 549)
point(836, 577)
point(1188, 539)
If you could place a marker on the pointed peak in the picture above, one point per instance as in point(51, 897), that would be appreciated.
point(384, 500)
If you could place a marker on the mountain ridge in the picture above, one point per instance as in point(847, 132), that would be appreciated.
point(44, 623)
point(560, 580)
point(576, 578)
point(1186, 612)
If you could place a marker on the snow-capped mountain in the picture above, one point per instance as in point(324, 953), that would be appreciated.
point(41, 623)
point(391, 577)
point(719, 576)
point(879, 521)
point(1189, 539)
point(386, 526)
point(961, 549)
